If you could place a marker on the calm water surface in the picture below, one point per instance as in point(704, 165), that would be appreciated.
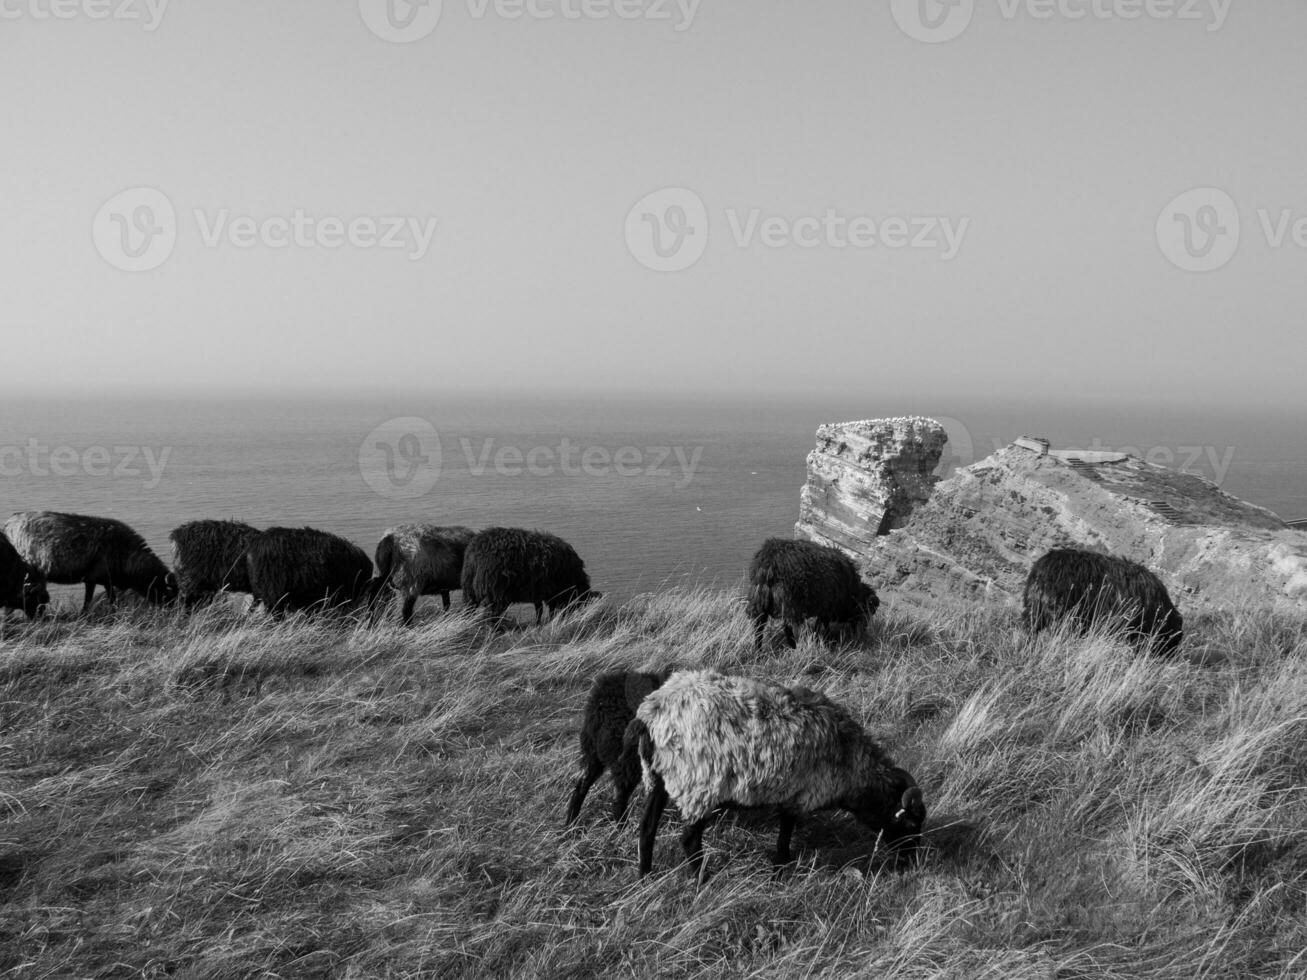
point(652, 493)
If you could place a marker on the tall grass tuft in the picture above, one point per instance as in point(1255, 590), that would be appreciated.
point(221, 795)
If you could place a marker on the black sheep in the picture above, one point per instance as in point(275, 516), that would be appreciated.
point(797, 580)
point(609, 709)
point(20, 587)
point(71, 548)
point(294, 569)
point(208, 557)
point(1089, 588)
point(416, 560)
point(503, 565)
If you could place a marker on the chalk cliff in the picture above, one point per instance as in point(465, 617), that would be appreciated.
point(974, 536)
point(865, 478)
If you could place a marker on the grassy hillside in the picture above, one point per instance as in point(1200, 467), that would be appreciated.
point(222, 797)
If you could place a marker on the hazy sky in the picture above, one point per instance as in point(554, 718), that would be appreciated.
point(1035, 158)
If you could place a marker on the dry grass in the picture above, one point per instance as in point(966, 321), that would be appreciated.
point(227, 797)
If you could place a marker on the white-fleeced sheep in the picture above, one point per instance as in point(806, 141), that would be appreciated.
point(709, 741)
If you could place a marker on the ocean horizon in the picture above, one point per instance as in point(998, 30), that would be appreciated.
point(653, 492)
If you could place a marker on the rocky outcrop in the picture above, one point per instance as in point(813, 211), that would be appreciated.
point(866, 478)
point(976, 534)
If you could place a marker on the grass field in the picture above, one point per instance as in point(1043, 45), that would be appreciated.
point(224, 797)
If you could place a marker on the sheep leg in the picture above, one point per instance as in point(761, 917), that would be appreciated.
point(406, 611)
point(444, 599)
point(653, 815)
point(788, 820)
point(624, 789)
point(593, 770)
point(540, 612)
point(759, 625)
point(86, 603)
point(790, 641)
point(692, 841)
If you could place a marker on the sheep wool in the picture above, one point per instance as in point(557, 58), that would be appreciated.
point(1089, 588)
point(720, 739)
point(96, 551)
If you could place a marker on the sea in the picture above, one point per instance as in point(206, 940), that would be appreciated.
point(654, 492)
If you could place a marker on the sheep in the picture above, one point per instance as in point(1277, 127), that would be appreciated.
point(20, 587)
point(503, 565)
point(708, 741)
point(416, 560)
point(71, 548)
point(609, 709)
point(795, 580)
point(208, 557)
point(1089, 588)
point(293, 569)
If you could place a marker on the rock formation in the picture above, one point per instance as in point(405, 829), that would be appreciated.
point(865, 478)
point(975, 535)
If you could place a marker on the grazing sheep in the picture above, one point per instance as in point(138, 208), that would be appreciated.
point(416, 560)
point(294, 569)
point(208, 557)
point(709, 741)
point(795, 580)
point(608, 711)
point(70, 548)
point(1090, 588)
point(20, 587)
point(503, 565)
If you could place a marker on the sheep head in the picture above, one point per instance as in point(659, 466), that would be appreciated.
point(896, 811)
point(868, 599)
point(163, 590)
point(36, 596)
point(1171, 633)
